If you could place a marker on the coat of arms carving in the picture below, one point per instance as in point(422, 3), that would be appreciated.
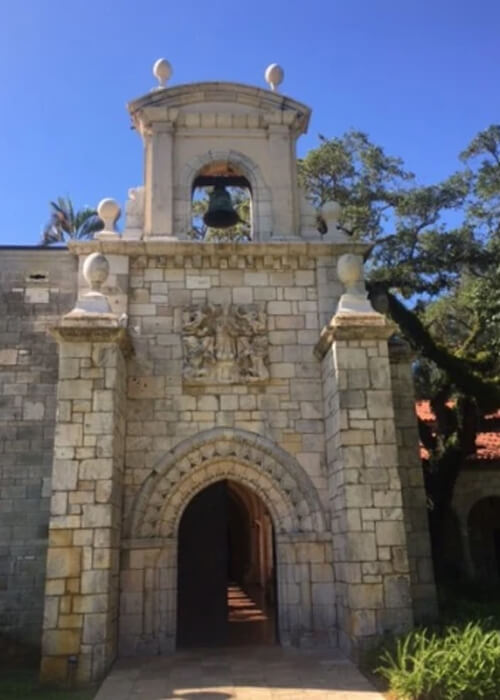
point(225, 344)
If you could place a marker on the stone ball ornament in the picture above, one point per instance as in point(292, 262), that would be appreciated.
point(274, 76)
point(350, 270)
point(355, 299)
point(109, 212)
point(331, 211)
point(95, 270)
point(162, 71)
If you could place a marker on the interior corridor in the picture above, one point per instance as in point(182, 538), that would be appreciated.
point(226, 573)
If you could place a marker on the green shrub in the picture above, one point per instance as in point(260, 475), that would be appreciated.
point(462, 663)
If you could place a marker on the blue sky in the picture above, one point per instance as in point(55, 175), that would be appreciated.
point(420, 76)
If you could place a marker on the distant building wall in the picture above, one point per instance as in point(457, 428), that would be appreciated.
point(36, 287)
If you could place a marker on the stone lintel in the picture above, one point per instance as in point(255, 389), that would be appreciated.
point(372, 326)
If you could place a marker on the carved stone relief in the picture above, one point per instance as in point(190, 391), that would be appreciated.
point(225, 344)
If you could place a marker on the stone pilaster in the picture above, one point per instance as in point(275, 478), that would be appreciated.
point(81, 595)
point(158, 214)
point(423, 588)
point(285, 216)
point(369, 538)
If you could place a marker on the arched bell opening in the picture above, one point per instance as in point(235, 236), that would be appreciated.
point(221, 204)
point(226, 570)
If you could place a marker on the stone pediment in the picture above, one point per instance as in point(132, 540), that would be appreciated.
point(223, 105)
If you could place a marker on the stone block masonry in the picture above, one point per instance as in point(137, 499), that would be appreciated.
point(412, 484)
point(311, 430)
point(36, 287)
point(370, 550)
point(81, 591)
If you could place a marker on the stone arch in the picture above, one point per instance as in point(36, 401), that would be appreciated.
point(261, 193)
point(301, 535)
point(268, 470)
point(471, 488)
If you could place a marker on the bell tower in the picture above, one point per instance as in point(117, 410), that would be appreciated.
point(219, 134)
point(186, 363)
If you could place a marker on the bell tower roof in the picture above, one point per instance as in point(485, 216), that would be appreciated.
point(219, 104)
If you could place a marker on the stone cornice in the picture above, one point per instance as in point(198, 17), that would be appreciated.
point(163, 104)
point(372, 326)
point(165, 118)
point(179, 250)
point(94, 329)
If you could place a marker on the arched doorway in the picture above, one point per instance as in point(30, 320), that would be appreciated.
point(305, 599)
point(484, 538)
point(226, 571)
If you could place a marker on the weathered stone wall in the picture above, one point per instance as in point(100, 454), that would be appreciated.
point(412, 482)
point(81, 594)
point(296, 291)
point(292, 289)
point(341, 425)
point(37, 286)
point(369, 540)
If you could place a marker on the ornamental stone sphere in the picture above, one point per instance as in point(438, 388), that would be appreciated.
point(350, 270)
point(274, 75)
point(95, 270)
point(162, 71)
point(109, 211)
point(331, 211)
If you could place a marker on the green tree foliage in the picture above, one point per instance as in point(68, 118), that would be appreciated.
point(67, 224)
point(434, 268)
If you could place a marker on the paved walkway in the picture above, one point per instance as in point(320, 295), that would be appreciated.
point(243, 673)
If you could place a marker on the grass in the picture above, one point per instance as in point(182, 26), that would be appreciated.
point(458, 658)
point(22, 684)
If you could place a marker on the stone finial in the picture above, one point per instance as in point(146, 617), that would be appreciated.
point(109, 212)
point(95, 270)
point(274, 76)
point(330, 211)
point(355, 299)
point(162, 71)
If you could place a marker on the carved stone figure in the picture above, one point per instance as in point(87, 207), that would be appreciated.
point(225, 344)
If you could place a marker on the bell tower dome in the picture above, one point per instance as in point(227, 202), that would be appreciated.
point(215, 129)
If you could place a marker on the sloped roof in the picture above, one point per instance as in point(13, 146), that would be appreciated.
point(487, 441)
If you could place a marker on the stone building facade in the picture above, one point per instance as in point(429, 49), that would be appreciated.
point(145, 367)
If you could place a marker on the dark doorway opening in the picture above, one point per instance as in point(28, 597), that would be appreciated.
point(484, 538)
point(226, 574)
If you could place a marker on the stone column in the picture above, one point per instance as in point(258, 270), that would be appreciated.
point(81, 594)
point(370, 548)
point(158, 211)
point(415, 513)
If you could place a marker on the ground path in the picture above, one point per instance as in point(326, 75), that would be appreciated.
point(238, 673)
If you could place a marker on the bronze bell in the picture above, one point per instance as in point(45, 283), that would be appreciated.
point(220, 213)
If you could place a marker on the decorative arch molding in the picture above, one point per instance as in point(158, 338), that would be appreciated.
point(466, 499)
point(261, 193)
point(255, 461)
